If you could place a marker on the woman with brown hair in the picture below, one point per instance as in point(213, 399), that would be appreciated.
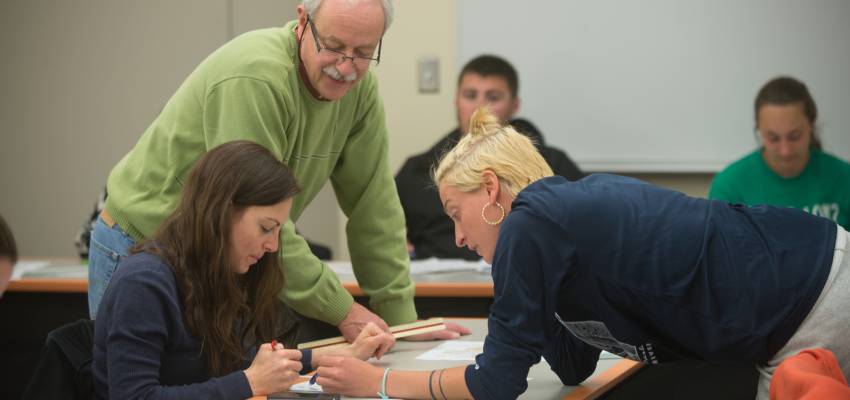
point(185, 314)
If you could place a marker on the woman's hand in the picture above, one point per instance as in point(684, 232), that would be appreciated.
point(273, 370)
point(349, 376)
point(372, 341)
point(452, 331)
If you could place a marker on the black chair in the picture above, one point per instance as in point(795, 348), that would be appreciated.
point(64, 368)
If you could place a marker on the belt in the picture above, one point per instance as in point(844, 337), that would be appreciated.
point(106, 218)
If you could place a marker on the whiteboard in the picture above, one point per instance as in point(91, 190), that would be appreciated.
point(663, 85)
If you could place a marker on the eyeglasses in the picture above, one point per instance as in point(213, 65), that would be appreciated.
point(358, 61)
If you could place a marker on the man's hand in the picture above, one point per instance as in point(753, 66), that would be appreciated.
point(452, 331)
point(357, 319)
point(372, 342)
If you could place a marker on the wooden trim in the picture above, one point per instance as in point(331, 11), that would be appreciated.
point(423, 289)
point(439, 289)
point(49, 285)
point(598, 385)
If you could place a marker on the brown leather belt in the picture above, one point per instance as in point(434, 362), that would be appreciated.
point(106, 218)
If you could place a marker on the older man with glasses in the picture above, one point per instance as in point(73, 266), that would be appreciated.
point(308, 96)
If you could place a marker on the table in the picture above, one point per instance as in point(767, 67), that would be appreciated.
point(544, 384)
point(41, 304)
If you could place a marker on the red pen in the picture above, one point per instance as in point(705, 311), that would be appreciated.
point(274, 345)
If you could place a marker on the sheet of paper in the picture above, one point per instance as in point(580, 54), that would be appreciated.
point(460, 350)
point(22, 267)
point(426, 266)
point(306, 387)
point(454, 350)
point(59, 271)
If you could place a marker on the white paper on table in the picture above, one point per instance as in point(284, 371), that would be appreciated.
point(22, 267)
point(426, 266)
point(306, 387)
point(461, 350)
point(454, 350)
point(59, 271)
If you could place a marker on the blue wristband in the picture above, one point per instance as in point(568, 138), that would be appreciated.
point(306, 361)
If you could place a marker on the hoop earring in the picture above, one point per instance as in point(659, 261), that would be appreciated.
point(501, 217)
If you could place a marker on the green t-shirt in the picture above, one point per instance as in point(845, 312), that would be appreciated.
point(823, 188)
point(250, 89)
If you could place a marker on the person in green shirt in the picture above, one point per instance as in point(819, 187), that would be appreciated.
point(305, 92)
point(790, 169)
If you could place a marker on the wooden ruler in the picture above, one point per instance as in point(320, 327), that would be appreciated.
point(398, 332)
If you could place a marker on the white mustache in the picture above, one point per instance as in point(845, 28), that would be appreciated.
point(334, 73)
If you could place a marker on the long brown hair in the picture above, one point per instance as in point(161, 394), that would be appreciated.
point(224, 309)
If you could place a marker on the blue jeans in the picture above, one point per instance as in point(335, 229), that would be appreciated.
point(106, 249)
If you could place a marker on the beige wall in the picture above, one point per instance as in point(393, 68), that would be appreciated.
point(81, 81)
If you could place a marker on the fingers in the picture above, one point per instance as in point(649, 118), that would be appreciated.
point(454, 327)
point(444, 335)
point(386, 344)
point(290, 354)
point(438, 335)
point(376, 345)
point(369, 330)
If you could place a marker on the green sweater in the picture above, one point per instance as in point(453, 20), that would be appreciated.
point(823, 188)
point(250, 89)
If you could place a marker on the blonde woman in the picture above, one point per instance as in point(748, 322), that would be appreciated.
point(613, 263)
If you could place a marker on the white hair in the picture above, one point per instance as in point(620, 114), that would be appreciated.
point(311, 6)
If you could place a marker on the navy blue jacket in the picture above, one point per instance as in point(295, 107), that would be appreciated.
point(142, 346)
point(653, 275)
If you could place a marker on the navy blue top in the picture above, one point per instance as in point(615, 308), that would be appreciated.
point(143, 348)
point(653, 275)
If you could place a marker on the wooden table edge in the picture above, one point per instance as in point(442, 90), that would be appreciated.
point(52, 285)
point(423, 289)
point(438, 289)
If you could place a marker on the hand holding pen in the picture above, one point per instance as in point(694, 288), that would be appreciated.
point(274, 369)
point(371, 342)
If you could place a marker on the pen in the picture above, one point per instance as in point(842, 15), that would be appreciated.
point(313, 378)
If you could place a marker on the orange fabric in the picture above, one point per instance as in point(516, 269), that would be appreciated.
point(811, 374)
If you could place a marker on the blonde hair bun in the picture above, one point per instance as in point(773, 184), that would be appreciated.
point(483, 122)
point(490, 146)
